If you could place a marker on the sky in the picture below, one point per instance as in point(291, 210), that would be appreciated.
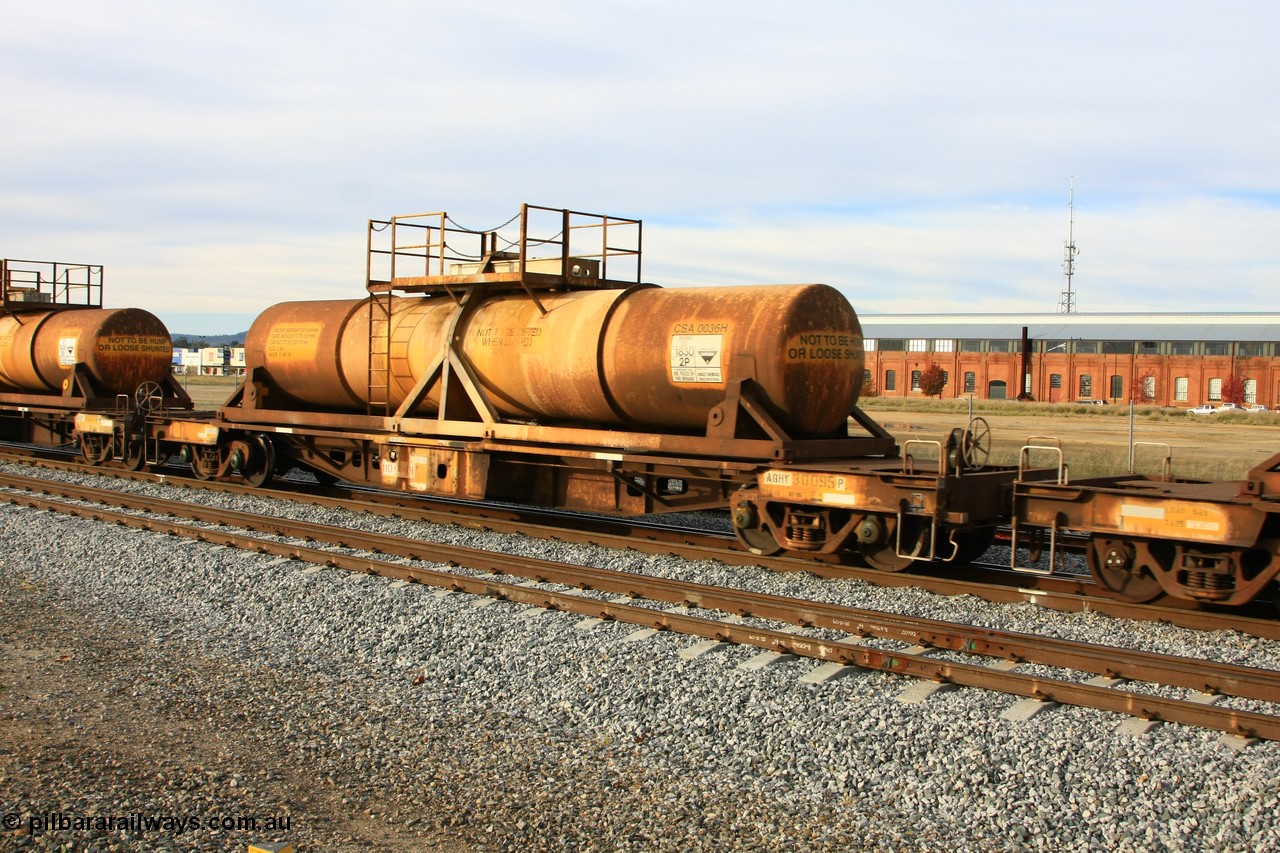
point(219, 157)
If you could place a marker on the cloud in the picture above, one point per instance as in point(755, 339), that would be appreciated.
point(1197, 254)
point(216, 154)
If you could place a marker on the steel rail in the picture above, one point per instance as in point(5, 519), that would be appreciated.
point(1117, 663)
point(1056, 593)
point(1127, 664)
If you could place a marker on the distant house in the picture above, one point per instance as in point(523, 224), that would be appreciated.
point(186, 361)
point(214, 361)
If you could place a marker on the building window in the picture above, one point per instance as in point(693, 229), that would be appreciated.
point(1251, 390)
point(893, 345)
point(1090, 347)
point(915, 380)
point(1086, 386)
point(1217, 348)
point(970, 382)
point(1180, 389)
point(947, 345)
point(890, 380)
point(917, 345)
point(1149, 387)
point(971, 346)
point(1215, 389)
point(1182, 348)
point(1001, 346)
point(1117, 387)
point(1055, 380)
point(1149, 348)
point(1250, 349)
point(1117, 347)
point(868, 344)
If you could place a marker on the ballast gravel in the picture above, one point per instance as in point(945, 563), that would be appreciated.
point(378, 715)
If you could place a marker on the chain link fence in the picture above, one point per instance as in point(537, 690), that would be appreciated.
point(1085, 454)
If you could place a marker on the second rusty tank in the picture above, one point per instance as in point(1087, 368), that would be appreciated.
point(643, 357)
point(120, 348)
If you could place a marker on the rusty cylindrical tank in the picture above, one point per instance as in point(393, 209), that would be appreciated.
point(644, 357)
point(121, 348)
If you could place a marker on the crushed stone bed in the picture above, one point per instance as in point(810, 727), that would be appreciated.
point(385, 715)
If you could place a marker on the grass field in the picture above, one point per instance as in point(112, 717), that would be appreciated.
point(1095, 439)
point(209, 391)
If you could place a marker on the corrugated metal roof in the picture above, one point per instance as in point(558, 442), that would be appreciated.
point(1116, 327)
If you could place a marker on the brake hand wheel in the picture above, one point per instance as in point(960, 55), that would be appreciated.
point(148, 398)
point(976, 447)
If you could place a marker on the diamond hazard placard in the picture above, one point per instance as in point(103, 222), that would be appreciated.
point(696, 358)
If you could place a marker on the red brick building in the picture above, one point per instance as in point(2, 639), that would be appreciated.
point(1163, 359)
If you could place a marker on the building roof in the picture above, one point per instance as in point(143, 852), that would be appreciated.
point(1116, 327)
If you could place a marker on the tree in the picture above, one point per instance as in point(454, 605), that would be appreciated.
point(869, 388)
point(1233, 388)
point(933, 380)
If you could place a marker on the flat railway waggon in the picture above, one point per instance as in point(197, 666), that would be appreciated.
point(531, 364)
point(1208, 542)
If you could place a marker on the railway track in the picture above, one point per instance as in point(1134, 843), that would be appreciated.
point(986, 581)
point(1140, 684)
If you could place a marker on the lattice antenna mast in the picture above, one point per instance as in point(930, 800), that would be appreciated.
point(1067, 301)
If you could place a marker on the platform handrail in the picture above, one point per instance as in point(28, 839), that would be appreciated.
point(43, 285)
point(1024, 461)
point(1166, 467)
point(539, 247)
point(908, 460)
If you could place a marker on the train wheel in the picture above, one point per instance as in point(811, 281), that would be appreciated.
point(752, 532)
point(884, 557)
point(1114, 566)
point(1271, 595)
point(972, 544)
point(759, 542)
point(881, 551)
point(261, 466)
point(136, 459)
